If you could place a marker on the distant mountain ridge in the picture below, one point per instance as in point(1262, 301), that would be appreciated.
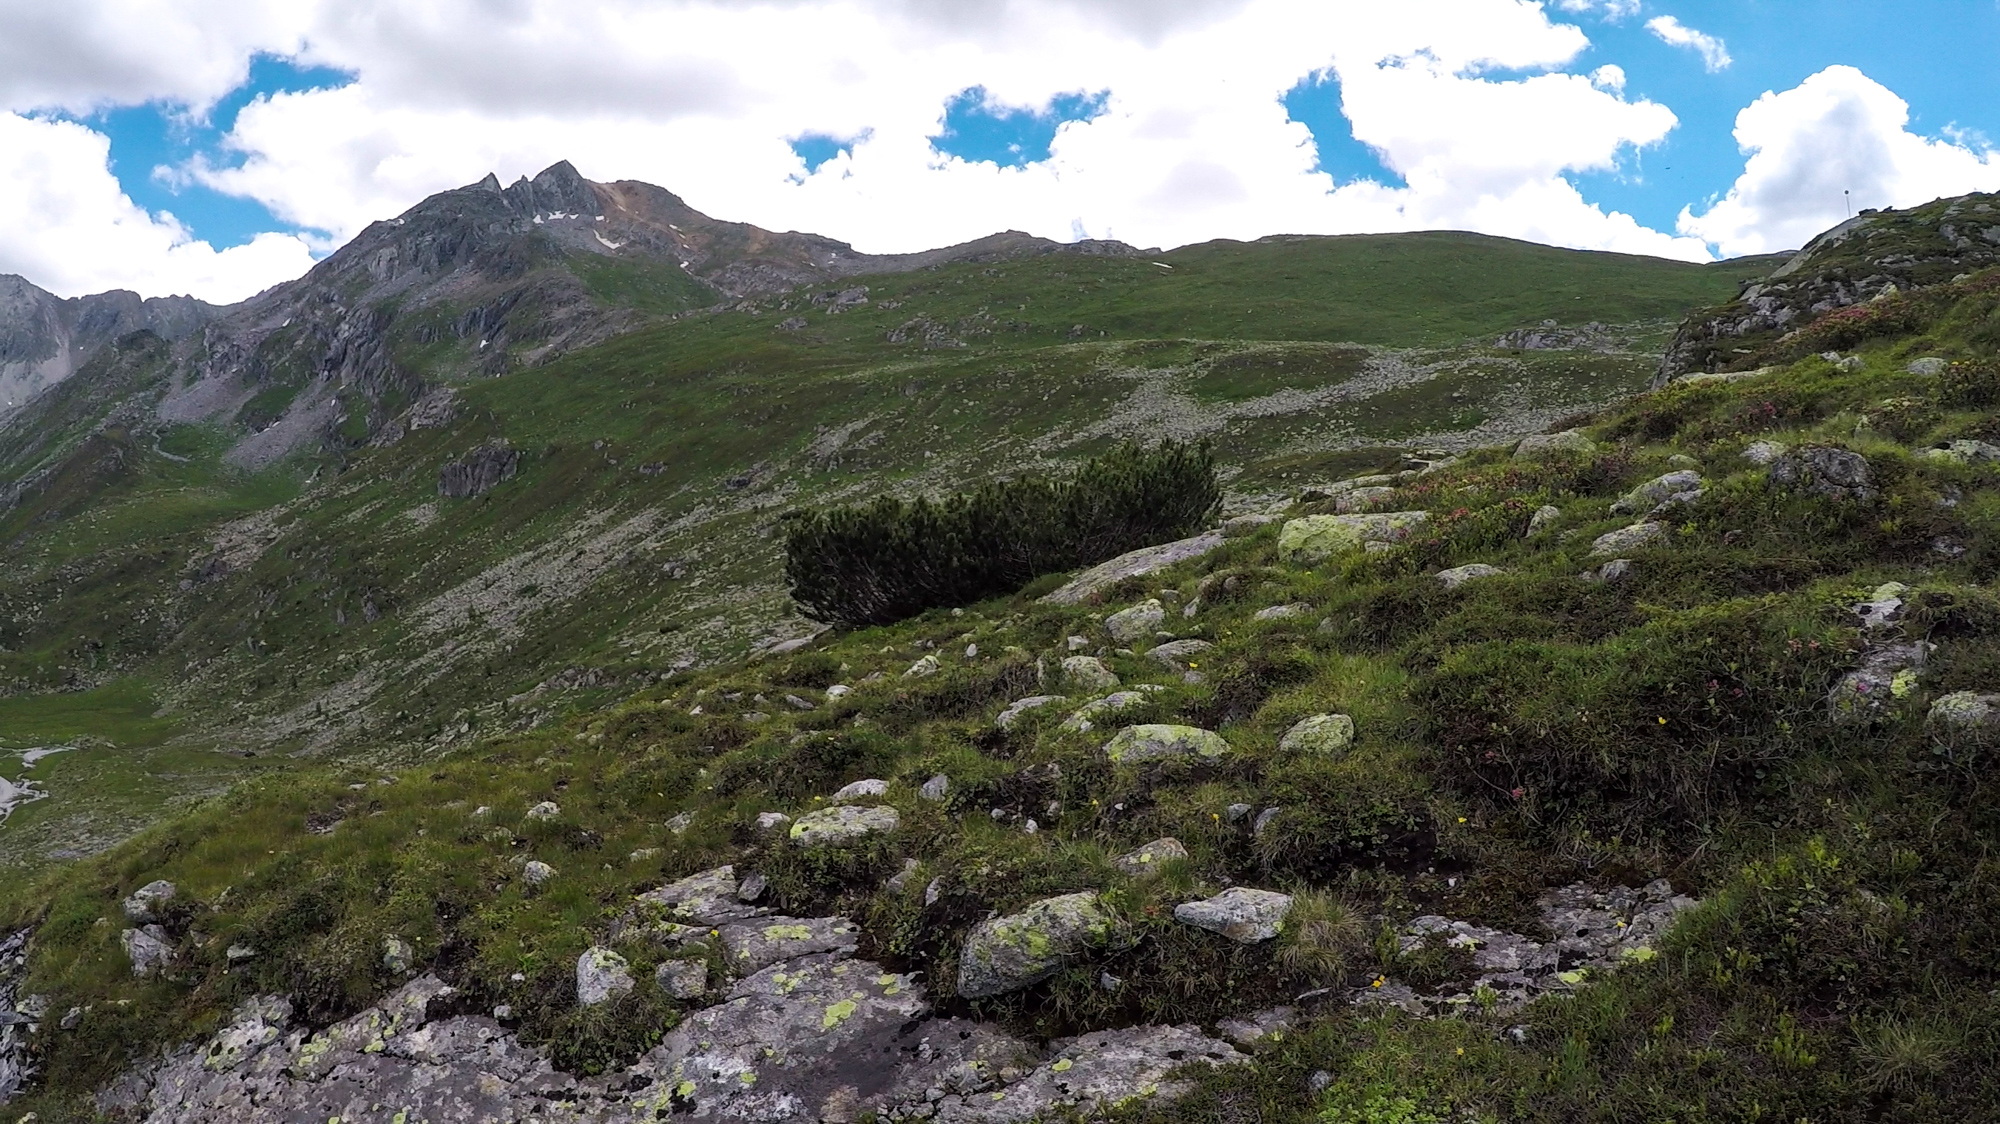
point(45, 338)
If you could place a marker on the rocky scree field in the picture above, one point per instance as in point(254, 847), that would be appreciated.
point(1637, 770)
point(497, 461)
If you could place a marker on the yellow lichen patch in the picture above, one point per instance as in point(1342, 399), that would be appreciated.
point(1062, 1066)
point(837, 1013)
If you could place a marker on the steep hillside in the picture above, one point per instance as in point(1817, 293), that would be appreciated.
point(1638, 771)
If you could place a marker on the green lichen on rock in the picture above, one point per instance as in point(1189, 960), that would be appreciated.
point(1323, 734)
point(1316, 538)
point(1005, 954)
point(1159, 741)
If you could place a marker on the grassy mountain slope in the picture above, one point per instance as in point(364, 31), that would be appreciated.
point(340, 604)
point(1690, 719)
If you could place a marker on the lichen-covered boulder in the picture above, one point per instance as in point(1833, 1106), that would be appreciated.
point(1316, 538)
point(1148, 858)
point(1004, 954)
point(1626, 539)
point(1360, 499)
point(1551, 444)
point(1178, 655)
point(1827, 472)
point(838, 826)
point(1884, 607)
point(1762, 453)
point(1020, 707)
point(1888, 673)
point(1963, 452)
point(601, 976)
point(1088, 716)
point(1459, 575)
point(1158, 742)
point(708, 898)
point(869, 789)
point(752, 946)
point(1244, 915)
point(143, 906)
point(1320, 733)
point(1966, 710)
point(537, 873)
point(923, 668)
point(1097, 1073)
point(682, 979)
point(1673, 487)
point(1282, 612)
point(1088, 673)
point(147, 949)
point(1137, 623)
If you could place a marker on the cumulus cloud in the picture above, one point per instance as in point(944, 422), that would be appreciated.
point(1714, 53)
point(1837, 132)
point(1194, 142)
point(72, 230)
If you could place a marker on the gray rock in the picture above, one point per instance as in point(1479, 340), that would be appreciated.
point(1096, 1073)
point(1255, 1027)
point(1244, 915)
point(1137, 563)
point(1237, 813)
point(143, 905)
point(481, 470)
point(601, 976)
point(1088, 673)
point(1137, 623)
point(1088, 716)
point(537, 873)
point(1618, 569)
point(1148, 858)
point(797, 703)
point(838, 691)
point(1281, 612)
point(1963, 452)
point(900, 880)
point(1012, 715)
point(923, 668)
point(546, 810)
point(1930, 366)
point(147, 949)
point(1963, 711)
point(869, 789)
point(397, 955)
point(1659, 490)
point(1884, 607)
point(771, 823)
point(1243, 526)
point(842, 825)
point(709, 898)
point(1317, 538)
point(1628, 538)
point(1826, 472)
point(1888, 672)
point(1764, 452)
point(1356, 500)
point(937, 788)
point(1004, 954)
point(1545, 517)
point(1076, 643)
point(1137, 744)
point(1263, 820)
point(682, 979)
point(1319, 734)
point(1459, 575)
point(1178, 655)
point(1549, 444)
point(752, 946)
point(752, 888)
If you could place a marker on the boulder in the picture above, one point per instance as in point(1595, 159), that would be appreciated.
point(1244, 915)
point(1316, 538)
point(1888, 672)
point(1138, 562)
point(482, 470)
point(1148, 858)
point(1826, 472)
point(1257, 1026)
point(1282, 612)
point(1088, 673)
point(143, 906)
point(147, 949)
point(709, 898)
point(1628, 538)
point(1764, 452)
point(1178, 655)
point(771, 823)
point(1459, 575)
point(397, 955)
point(1360, 499)
point(1963, 452)
point(1545, 517)
point(1243, 526)
point(927, 666)
point(682, 979)
point(536, 873)
point(1966, 711)
point(752, 946)
point(1140, 622)
point(937, 788)
point(1087, 717)
point(869, 789)
point(546, 810)
point(839, 826)
point(1004, 954)
point(1096, 1074)
point(1618, 569)
point(1930, 366)
point(1319, 734)
point(1552, 444)
point(601, 976)
point(1673, 486)
point(1019, 707)
point(1137, 744)
point(1884, 607)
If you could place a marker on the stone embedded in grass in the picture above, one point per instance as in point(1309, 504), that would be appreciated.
point(546, 810)
point(838, 691)
point(1148, 858)
point(397, 955)
point(708, 898)
point(1618, 569)
point(937, 788)
point(1243, 526)
point(1100, 1073)
point(144, 904)
point(1004, 954)
point(860, 790)
point(1963, 452)
point(1087, 716)
point(1088, 673)
point(601, 976)
point(1884, 607)
point(1672, 487)
point(1137, 563)
point(537, 873)
point(1282, 612)
point(1176, 655)
point(771, 823)
point(682, 979)
point(1549, 444)
point(1966, 710)
point(847, 823)
point(1320, 734)
point(752, 888)
point(1459, 575)
point(797, 703)
point(1255, 1027)
point(1244, 915)
point(1826, 472)
point(1358, 499)
point(148, 950)
point(1628, 538)
point(1158, 742)
point(1129, 626)
point(1317, 538)
point(1544, 518)
point(922, 668)
point(1764, 452)
point(1888, 672)
point(1264, 820)
point(1930, 366)
point(1019, 707)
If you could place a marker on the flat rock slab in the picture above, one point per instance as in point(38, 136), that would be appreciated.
point(848, 823)
point(752, 946)
point(1244, 915)
point(1175, 655)
point(1090, 714)
point(1139, 562)
point(1459, 575)
point(1020, 707)
point(708, 898)
point(1138, 744)
point(1096, 1072)
point(1004, 954)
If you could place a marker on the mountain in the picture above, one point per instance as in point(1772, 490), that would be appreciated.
point(44, 339)
point(1521, 743)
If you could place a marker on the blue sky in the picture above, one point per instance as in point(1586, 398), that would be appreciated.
point(900, 127)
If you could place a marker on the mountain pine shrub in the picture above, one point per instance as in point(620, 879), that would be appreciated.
point(891, 559)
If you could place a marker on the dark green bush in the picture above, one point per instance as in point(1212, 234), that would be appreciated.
point(857, 566)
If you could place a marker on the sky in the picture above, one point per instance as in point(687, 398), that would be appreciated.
point(217, 147)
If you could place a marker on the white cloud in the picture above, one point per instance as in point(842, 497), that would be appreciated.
point(72, 230)
point(1714, 53)
point(1613, 10)
point(699, 96)
point(1838, 131)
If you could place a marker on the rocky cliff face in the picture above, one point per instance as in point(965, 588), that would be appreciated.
point(44, 339)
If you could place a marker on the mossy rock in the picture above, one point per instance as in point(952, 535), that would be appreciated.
point(1005, 954)
point(1316, 538)
point(1158, 742)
